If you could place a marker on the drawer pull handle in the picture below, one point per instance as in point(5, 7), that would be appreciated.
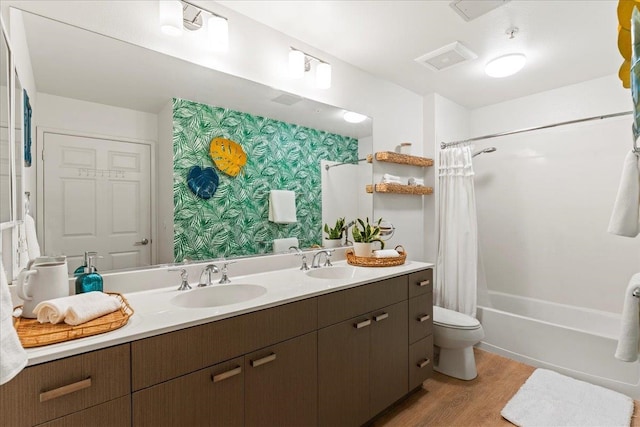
point(228, 374)
point(264, 360)
point(380, 317)
point(424, 318)
point(362, 324)
point(424, 363)
point(424, 283)
point(64, 390)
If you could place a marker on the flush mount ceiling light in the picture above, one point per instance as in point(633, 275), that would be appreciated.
point(177, 15)
point(351, 117)
point(505, 65)
point(300, 62)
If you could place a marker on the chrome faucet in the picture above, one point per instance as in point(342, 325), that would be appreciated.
point(347, 242)
point(225, 279)
point(327, 253)
point(304, 266)
point(205, 276)
point(184, 285)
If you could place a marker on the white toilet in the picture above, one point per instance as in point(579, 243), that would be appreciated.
point(454, 335)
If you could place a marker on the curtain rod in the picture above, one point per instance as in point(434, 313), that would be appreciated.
point(570, 122)
point(327, 167)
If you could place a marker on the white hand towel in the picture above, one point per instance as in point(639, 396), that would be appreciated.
point(625, 219)
point(32, 238)
point(76, 309)
point(283, 245)
point(282, 206)
point(629, 342)
point(13, 358)
point(386, 253)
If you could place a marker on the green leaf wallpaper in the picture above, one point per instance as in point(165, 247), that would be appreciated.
point(280, 156)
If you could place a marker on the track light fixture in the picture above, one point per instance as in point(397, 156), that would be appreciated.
point(300, 62)
point(178, 15)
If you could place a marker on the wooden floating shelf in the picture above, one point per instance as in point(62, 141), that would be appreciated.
point(403, 159)
point(415, 190)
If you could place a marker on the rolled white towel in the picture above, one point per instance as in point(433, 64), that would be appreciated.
point(76, 309)
point(386, 253)
point(629, 342)
point(416, 181)
point(390, 179)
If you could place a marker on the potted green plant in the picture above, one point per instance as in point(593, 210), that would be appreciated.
point(364, 235)
point(334, 235)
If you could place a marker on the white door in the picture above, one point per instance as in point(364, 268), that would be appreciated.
point(97, 197)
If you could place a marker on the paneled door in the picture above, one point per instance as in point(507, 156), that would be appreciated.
point(97, 197)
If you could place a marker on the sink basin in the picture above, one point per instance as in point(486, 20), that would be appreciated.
point(335, 273)
point(215, 296)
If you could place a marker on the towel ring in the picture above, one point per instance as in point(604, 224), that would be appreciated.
point(636, 293)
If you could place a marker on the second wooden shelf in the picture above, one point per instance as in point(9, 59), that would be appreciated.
point(403, 159)
point(416, 190)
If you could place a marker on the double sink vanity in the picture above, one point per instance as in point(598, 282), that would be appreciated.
point(331, 346)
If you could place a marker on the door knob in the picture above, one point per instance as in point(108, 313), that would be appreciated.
point(142, 242)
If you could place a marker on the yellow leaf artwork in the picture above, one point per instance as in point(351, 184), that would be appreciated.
point(228, 156)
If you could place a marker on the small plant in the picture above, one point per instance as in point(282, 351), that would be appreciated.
point(367, 233)
point(335, 232)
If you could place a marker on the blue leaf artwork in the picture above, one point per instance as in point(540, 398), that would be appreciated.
point(203, 182)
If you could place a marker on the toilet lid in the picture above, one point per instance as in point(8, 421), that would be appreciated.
point(453, 319)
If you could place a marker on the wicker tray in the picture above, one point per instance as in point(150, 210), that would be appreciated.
point(35, 334)
point(361, 261)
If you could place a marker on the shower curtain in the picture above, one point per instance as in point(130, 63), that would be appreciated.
point(457, 261)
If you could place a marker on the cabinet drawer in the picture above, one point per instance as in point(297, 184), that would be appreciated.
point(420, 282)
point(210, 396)
point(339, 306)
point(43, 392)
point(167, 356)
point(111, 414)
point(420, 317)
point(420, 361)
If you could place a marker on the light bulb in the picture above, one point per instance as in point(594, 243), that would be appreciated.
point(296, 64)
point(505, 65)
point(218, 31)
point(352, 117)
point(171, 17)
point(323, 76)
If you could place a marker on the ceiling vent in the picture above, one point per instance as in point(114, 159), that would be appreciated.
point(287, 99)
point(446, 57)
point(471, 9)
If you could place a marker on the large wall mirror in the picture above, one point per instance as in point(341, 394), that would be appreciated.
point(119, 128)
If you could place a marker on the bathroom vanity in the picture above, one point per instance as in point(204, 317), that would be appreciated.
point(312, 352)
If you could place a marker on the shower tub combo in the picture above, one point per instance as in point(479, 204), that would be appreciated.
point(574, 341)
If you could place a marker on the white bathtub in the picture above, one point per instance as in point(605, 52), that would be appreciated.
point(574, 341)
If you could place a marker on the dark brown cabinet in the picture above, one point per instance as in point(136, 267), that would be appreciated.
point(281, 383)
point(211, 396)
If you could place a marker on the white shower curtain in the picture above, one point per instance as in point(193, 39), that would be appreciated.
point(457, 262)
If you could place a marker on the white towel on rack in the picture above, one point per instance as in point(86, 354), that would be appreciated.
point(32, 238)
point(13, 358)
point(629, 341)
point(625, 219)
point(282, 206)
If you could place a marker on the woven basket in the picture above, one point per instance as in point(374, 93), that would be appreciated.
point(361, 261)
point(35, 334)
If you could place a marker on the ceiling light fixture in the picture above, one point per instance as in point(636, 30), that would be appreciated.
point(506, 65)
point(176, 15)
point(351, 117)
point(300, 62)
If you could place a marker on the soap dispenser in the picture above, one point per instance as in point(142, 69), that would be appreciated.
point(78, 271)
point(90, 280)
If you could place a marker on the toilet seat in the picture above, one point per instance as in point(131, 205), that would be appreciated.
point(453, 320)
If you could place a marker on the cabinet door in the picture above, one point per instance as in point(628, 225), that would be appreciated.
point(420, 361)
point(211, 396)
point(343, 373)
point(420, 317)
point(281, 383)
point(389, 356)
point(111, 414)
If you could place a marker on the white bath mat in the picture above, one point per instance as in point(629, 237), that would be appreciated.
point(550, 399)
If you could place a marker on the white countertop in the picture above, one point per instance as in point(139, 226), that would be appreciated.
point(154, 314)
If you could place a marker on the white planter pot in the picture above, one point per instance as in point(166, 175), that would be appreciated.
point(331, 243)
point(363, 249)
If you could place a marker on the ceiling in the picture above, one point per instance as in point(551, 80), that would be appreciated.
point(565, 42)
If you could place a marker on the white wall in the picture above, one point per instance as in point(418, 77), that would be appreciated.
point(259, 53)
point(545, 197)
